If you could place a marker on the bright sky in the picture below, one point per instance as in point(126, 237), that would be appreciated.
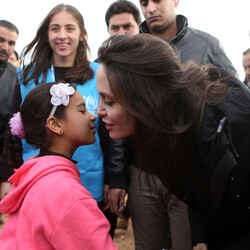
point(228, 20)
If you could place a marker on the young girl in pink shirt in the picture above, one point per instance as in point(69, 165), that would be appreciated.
point(48, 206)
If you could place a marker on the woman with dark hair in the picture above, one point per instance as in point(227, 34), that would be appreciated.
point(189, 127)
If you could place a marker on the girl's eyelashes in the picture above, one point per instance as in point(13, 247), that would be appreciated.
point(108, 103)
point(83, 111)
point(70, 29)
point(54, 29)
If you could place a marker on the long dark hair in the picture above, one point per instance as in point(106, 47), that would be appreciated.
point(165, 96)
point(40, 53)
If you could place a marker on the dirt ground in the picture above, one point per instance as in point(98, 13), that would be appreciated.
point(123, 239)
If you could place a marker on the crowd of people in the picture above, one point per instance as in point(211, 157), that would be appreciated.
point(160, 117)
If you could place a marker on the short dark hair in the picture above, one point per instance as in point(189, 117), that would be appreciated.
point(122, 6)
point(8, 25)
point(246, 52)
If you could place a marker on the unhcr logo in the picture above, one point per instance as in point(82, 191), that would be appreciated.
point(91, 104)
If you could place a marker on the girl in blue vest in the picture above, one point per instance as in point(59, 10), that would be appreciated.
point(59, 52)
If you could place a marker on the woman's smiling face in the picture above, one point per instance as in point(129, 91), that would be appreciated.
point(64, 37)
point(119, 122)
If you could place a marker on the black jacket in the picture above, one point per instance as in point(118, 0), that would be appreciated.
point(216, 181)
point(196, 45)
point(8, 79)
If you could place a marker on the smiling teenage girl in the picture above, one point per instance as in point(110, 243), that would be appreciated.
point(59, 52)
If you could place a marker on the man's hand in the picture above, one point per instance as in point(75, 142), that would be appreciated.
point(105, 197)
point(4, 189)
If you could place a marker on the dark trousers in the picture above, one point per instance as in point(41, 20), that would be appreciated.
point(110, 217)
point(154, 211)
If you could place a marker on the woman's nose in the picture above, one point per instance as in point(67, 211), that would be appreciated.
point(100, 110)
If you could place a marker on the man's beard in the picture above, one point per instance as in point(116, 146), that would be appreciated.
point(2, 59)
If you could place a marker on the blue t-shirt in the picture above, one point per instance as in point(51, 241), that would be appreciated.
point(89, 157)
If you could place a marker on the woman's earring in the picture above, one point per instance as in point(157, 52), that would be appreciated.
point(60, 131)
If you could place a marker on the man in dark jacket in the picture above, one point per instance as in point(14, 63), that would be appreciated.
point(122, 18)
point(191, 44)
point(8, 79)
point(151, 227)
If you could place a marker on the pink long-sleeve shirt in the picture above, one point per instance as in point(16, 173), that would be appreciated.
point(50, 209)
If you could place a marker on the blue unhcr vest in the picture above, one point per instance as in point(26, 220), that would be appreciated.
point(89, 157)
